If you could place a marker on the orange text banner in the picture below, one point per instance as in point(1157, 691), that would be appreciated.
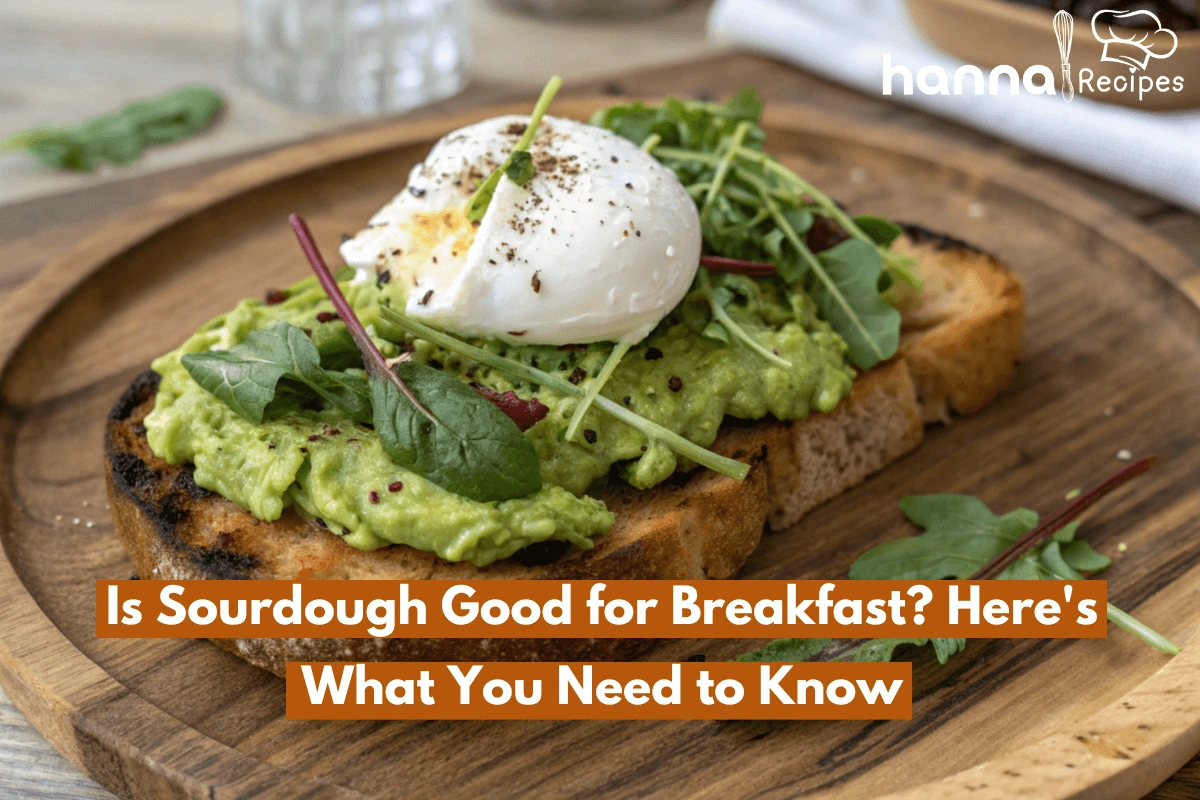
point(635, 690)
point(596, 609)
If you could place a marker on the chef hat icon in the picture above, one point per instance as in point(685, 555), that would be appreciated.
point(1133, 46)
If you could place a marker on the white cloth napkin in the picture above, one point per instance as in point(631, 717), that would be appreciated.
point(844, 40)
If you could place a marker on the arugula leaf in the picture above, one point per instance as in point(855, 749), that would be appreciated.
point(755, 209)
point(473, 449)
point(791, 650)
point(246, 376)
point(879, 650)
point(962, 534)
point(848, 296)
point(876, 650)
point(120, 137)
point(881, 230)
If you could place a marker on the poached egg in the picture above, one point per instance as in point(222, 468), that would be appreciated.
point(600, 245)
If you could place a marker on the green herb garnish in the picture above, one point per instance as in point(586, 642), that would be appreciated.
point(593, 391)
point(431, 423)
point(723, 326)
point(521, 166)
point(520, 169)
point(753, 208)
point(120, 137)
point(962, 540)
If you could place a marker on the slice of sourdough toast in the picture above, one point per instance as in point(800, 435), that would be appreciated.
point(959, 347)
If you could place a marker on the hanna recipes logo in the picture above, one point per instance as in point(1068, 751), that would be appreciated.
point(1132, 39)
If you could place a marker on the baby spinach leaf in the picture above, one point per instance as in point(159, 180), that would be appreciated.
point(755, 209)
point(430, 422)
point(848, 296)
point(290, 397)
point(120, 137)
point(245, 384)
point(246, 376)
point(472, 449)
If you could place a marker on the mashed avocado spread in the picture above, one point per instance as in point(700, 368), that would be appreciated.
point(335, 471)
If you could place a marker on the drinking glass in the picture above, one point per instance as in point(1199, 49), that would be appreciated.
point(355, 56)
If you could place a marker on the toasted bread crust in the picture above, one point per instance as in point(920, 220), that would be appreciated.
point(696, 525)
point(963, 340)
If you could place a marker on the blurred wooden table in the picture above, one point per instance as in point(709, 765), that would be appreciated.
point(34, 231)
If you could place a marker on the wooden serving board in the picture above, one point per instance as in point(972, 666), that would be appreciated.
point(1112, 361)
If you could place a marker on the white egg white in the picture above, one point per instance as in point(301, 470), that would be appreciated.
point(599, 246)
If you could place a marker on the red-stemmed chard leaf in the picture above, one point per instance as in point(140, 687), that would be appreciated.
point(373, 360)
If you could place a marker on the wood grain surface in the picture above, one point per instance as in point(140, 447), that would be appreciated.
point(1127, 342)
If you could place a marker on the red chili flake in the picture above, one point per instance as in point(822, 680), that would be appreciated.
point(314, 437)
point(276, 296)
point(425, 299)
point(303, 449)
point(373, 496)
point(307, 331)
point(525, 413)
point(629, 186)
point(518, 333)
point(590, 435)
point(653, 354)
point(331, 431)
point(535, 281)
point(395, 486)
point(326, 316)
point(576, 377)
point(574, 348)
point(675, 384)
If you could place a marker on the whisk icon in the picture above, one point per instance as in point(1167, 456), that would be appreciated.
point(1064, 28)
